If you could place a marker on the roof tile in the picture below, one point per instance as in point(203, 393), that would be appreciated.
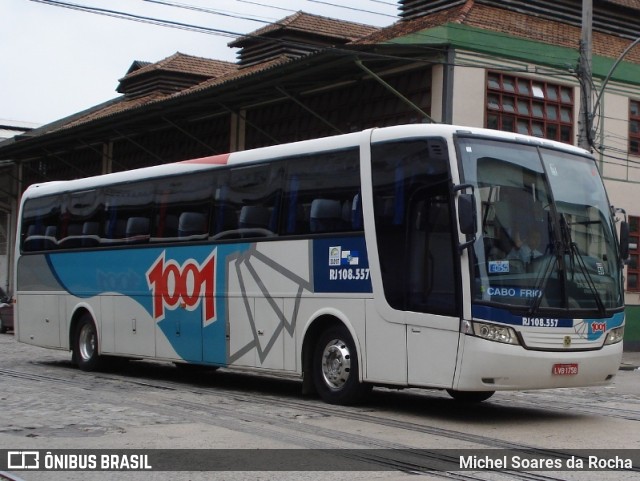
point(182, 63)
point(511, 23)
point(315, 24)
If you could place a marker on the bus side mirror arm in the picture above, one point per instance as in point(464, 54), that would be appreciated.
point(467, 217)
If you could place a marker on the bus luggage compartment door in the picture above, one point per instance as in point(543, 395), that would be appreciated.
point(432, 352)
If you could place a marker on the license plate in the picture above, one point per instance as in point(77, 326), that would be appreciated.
point(565, 369)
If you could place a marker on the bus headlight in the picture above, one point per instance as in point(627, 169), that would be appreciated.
point(615, 335)
point(491, 332)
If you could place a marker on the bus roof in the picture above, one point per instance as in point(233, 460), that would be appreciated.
point(285, 150)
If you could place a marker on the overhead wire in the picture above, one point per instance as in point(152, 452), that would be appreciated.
point(224, 13)
point(231, 34)
point(139, 18)
point(227, 33)
point(347, 7)
point(197, 28)
point(264, 4)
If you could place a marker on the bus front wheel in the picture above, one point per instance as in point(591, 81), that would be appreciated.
point(85, 345)
point(335, 368)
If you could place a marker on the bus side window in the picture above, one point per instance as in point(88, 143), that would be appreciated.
point(34, 239)
point(431, 272)
point(225, 218)
point(254, 193)
point(90, 234)
point(114, 229)
point(50, 237)
point(326, 216)
point(414, 228)
point(357, 221)
point(137, 230)
point(72, 236)
point(40, 221)
point(314, 202)
point(167, 226)
point(192, 225)
point(255, 221)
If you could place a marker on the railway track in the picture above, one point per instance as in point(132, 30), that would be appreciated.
point(273, 409)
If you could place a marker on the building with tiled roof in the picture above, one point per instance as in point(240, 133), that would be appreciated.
point(172, 74)
point(296, 35)
point(550, 28)
point(505, 65)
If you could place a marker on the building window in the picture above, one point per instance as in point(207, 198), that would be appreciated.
point(633, 267)
point(530, 107)
point(634, 127)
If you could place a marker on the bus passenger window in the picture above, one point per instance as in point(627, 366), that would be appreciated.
point(314, 201)
point(255, 221)
point(225, 218)
point(326, 216)
point(254, 193)
point(137, 230)
point(192, 225)
point(34, 239)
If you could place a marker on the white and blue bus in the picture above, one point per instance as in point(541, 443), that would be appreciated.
point(412, 256)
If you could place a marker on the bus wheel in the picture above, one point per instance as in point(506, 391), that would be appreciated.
point(335, 368)
point(470, 397)
point(85, 346)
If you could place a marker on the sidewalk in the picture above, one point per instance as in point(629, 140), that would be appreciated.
point(630, 360)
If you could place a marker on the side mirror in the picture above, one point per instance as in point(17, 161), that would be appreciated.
point(467, 218)
point(467, 214)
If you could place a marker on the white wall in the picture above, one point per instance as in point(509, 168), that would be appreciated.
point(469, 96)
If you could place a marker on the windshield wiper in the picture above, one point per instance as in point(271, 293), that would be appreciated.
point(574, 254)
point(543, 279)
point(541, 284)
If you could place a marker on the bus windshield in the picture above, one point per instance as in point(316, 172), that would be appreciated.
point(546, 238)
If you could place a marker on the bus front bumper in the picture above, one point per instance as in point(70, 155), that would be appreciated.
point(493, 366)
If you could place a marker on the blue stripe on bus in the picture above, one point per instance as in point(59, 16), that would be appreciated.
point(592, 328)
point(184, 288)
point(200, 335)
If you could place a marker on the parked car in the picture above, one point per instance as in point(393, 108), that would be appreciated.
point(6, 312)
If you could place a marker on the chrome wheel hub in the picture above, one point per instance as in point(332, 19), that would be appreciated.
point(336, 364)
point(87, 342)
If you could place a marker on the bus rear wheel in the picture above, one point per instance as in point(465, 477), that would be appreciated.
point(336, 368)
point(85, 345)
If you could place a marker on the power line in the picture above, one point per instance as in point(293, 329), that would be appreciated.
point(201, 29)
point(227, 33)
point(224, 13)
point(140, 18)
point(384, 3)
point(346, 7)
point(222, 32)
point(263, 4)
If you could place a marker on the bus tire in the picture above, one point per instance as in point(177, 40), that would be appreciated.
point(470, 397)
point(85, 345)
point(335, 368)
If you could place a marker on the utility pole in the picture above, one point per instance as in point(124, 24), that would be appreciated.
point(585, 75)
